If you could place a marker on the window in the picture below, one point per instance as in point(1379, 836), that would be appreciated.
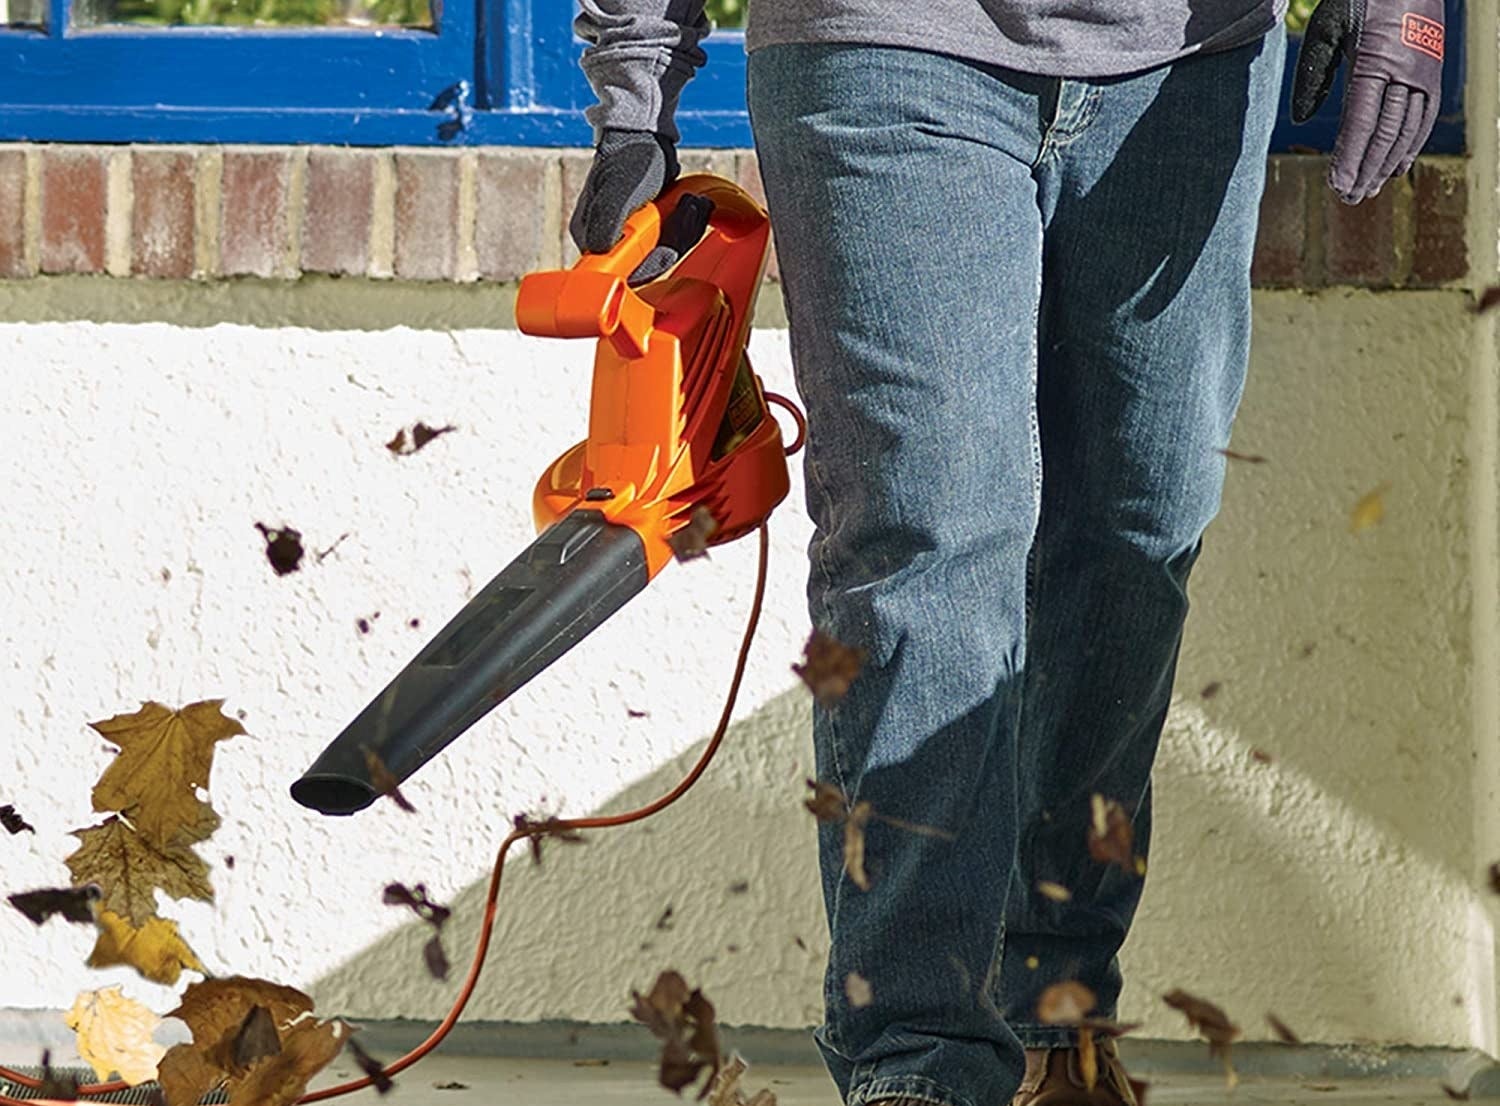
point(387, 72)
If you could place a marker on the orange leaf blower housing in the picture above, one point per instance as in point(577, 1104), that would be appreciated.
point(678, 420)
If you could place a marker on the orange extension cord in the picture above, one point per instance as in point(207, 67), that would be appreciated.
point(488, 925)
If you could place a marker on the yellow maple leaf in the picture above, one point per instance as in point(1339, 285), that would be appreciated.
point(128, 869)
point(114, 1035)
point(1369, 510)
point(165, 756)
point(156, 950)
point(280, 1080)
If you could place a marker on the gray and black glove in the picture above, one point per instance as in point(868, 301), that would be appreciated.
point(1394, 88)
point(630, 168)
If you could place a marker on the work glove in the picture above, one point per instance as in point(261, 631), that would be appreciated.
point(1393, 89)
point(630, 168)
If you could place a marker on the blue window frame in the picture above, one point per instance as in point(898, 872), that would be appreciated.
point(490, 72)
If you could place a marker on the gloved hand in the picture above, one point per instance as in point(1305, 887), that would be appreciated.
point(630, 168)
point(1394, 85)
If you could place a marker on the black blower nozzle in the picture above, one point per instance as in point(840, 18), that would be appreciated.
point(575, 575)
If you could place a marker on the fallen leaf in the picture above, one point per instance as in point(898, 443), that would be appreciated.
point(691, 540)
point(165, 757)
point(451, 1085)
point(1066, 1003)
point(1487, 299)
point(283, 548)
point(114, 1035)
point(156, 950)
point(435, 958)
point(186, 1077)
point(1370, 509)
point(858, 988)
point(255, 1039)
point(1054, 891)
point(280, 1080)
point(684, 1021)
point(1248, 458)
point(854, 844)
point(370, 1066)
point(546, 827)
point(1212, 1022)
point(75, 904)
point(62, 1088)
point(591, 1063)
point(129, 869)
point(1088, 1059)
point(725, 1088)
point(421, 434)
point(829, 667)
point(1282, 1030)
point(1321, 1086)
point(13, 822)
point(384, 780)
point(1111, 837)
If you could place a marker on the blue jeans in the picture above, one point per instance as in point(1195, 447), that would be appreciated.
point(1020, 316)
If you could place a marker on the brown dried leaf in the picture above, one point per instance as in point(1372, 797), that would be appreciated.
point(421, 434)
point(451, 1085)
point(692, 539)
point(13, 822)
point(1370, 509)
point(1204, 1016)
point(829, 667)
point(215, 1010)
point(129, 869)
point(398, 894)
point(828, 804)
point(1054, 891)
point(384, 780)
point(725, 1088)
point(62, 1088)
point(1066, 1003)
point(370, 1066)
point(75, 904)
point(1111, 837)
point(858, 988)
point(1211, 689)
point(435, 958)
point(1138, 1089)
point(280, 1080)
point(1248, 458)
point(165, 757)
point(1282, 1030)
point(1088, 1059)
point(684, 1021)
point(552, 827)
point(283, 548)
point(185, 1076)
point(854, 844)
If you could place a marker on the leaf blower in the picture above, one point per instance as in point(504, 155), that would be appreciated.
point(678, 425)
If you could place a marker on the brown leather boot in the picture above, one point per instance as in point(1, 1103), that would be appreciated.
point(1053, 1078)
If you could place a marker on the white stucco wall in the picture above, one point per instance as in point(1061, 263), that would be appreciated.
point(1338, 885)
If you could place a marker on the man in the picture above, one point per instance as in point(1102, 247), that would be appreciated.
point(1015, 241)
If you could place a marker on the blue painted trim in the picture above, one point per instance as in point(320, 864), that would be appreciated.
point(364, 88)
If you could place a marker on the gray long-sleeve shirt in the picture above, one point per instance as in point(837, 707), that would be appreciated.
point(642, 52)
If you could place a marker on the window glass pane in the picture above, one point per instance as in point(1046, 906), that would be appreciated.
point(1297, 14)
point(23, 13)
point(254, 13)
point(726, 13)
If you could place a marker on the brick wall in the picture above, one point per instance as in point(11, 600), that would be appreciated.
point(174, 212)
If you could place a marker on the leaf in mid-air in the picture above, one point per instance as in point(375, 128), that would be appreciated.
point(370, 1066)
point(114, 1035)
point(280, 1080)
point(129, 868)
point(691, 539)
point(156, 950)
point(1212, 1022)
point(829, 667)
point(165, 757)
point(1111, 837)
point(1066, 1003)
point(1370, 510)
point(684, 1021)
point(75, 904)
point(283, 548)
point(13, 822)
